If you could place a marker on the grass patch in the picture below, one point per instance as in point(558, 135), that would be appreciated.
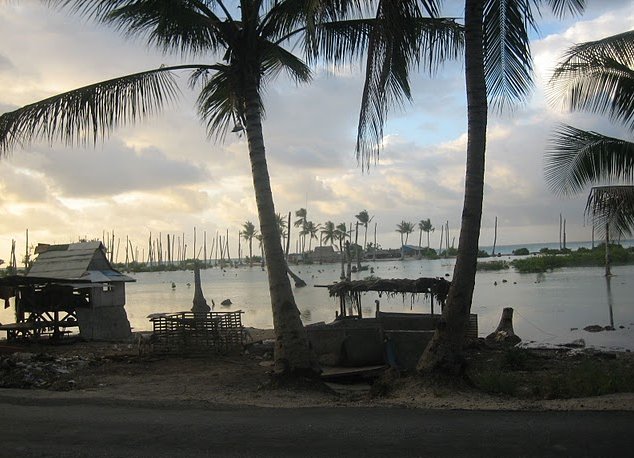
point(550, 374)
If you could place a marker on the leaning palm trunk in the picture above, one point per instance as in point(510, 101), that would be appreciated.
point(292, 351)
point(444, 352)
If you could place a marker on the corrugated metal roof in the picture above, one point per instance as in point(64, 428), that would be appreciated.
point(73, 262)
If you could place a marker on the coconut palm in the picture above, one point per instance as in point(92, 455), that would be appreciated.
point(404, 228)
point(424, 225)
point(252, 51)
point(310, 229)
point(598, 77)
point(341, 233)
point(248, 232)
point(328, 232)
point(364, 218)
point(497, 66)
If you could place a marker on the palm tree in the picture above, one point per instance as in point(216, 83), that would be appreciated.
point(281, 227)
point(328, 232)
point(497, 65)
point(252, 51)
point(310, 229)
point(424, 225)
point(341, 232)
point(248, 232)
point(611, 209)
point(364, 218)
point(597, 76)
point(301, 214)
point(404, 228)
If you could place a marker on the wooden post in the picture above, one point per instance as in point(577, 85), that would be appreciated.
point(495, 236)
point(504, 333)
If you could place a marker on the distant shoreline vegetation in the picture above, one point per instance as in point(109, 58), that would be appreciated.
point(549, 259)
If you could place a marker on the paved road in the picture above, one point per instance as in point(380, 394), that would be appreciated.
point(59, 428)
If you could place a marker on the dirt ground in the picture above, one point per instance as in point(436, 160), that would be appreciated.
point(108, 371)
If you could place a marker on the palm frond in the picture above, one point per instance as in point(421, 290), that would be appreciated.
point(420, 43)
point(189, 27)
point(564, 7)
point(612, 207)
point(577, 158)
point(507, 57)
point(598, 76)
point(90, 113)
point(221, 101)
point(276, 59)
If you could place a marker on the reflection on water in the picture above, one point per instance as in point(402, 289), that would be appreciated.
point(608, 288)
point(545, 305)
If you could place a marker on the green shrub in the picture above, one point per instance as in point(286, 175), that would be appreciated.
point(521, 252)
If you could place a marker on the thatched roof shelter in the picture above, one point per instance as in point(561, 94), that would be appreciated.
point(351, 291)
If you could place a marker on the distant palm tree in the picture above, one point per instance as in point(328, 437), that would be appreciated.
point(248, 232)
point(404, 228)
point(341, 233)
point(364, 218)
point(281, 227)
point(328, 232)
point(301, 214)
point(424, 225)
point(310, 229)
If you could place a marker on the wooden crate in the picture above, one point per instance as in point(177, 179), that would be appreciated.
point(197, 333)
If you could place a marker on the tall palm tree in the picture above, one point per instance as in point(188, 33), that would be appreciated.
point(254, 47)
point(497, 66)
point(341, 233)
point(364, 218)
point(424, 225)
point(404, 228)
point(328, 232)
point(597, 76)
point(301, 215)
point(281, 227)
point(248, 232)
point(310, 229)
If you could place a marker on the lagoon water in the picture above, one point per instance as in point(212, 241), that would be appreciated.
point(547, 306)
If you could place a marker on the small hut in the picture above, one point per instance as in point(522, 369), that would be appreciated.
point(393, 338)
point(71, 285)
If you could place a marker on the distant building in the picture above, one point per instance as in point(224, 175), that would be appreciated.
point(325, 254)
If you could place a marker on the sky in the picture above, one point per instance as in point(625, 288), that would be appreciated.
point(165, 176)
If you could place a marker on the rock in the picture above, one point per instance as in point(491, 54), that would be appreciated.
point(593, 328)
point(578, 343)
point(226, 302)
point(609, 328)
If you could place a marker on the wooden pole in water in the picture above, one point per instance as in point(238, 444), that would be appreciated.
point(442, 236)
point(560, 222)
point(194, 254)
point(26, 254)
point(205, 248)
point(495, 236)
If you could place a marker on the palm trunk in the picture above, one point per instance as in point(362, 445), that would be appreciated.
point(251, 251)
point(444, 352)
point(293, 355)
